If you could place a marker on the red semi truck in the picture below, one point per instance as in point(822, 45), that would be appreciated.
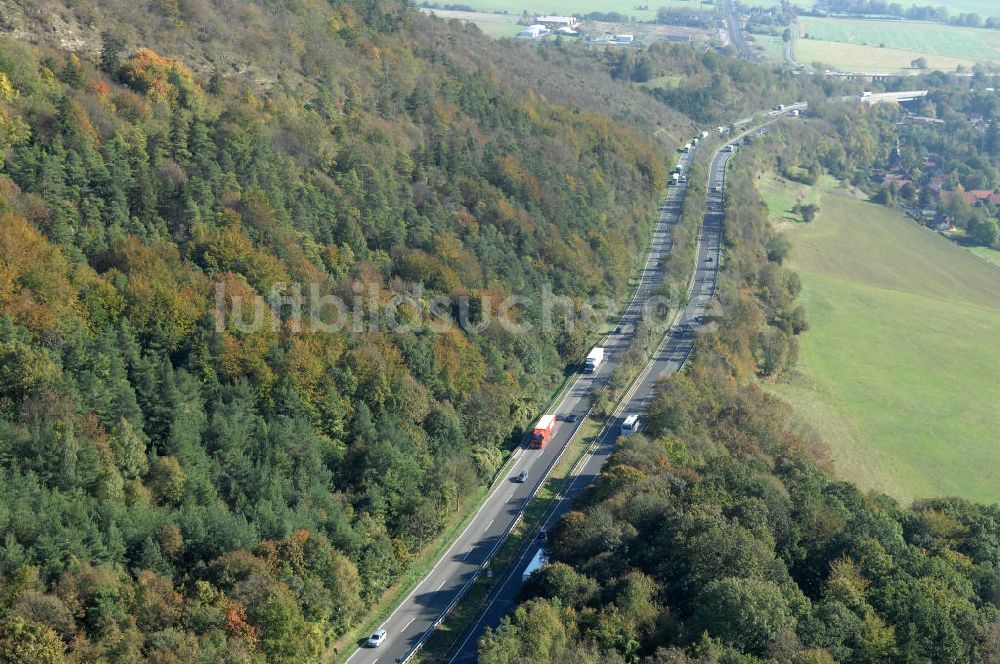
point(543, 431)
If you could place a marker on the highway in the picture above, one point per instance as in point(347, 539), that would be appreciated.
point(668, 359)
point(736, 32)
point(413, 620)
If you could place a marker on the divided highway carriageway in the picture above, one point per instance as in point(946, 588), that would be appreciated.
point(417, 616)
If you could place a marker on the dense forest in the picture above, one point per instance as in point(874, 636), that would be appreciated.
point(720, 536)
point(179, 486)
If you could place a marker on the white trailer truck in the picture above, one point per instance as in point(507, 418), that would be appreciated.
point(594, 359)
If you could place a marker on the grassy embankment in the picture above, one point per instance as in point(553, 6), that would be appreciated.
point(898, 371)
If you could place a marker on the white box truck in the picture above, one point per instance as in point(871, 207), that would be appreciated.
point(594, 359)
point(631, 425)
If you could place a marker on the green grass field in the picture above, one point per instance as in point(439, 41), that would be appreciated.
point(773, 46)
point(853, 57)
point(570, 7)
point(929, 39)
point(494, 25)
point(667, 81)
point(898, 371)
point(992, 255)
point(984, 8)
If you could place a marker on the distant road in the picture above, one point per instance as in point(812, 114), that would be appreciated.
point(736, 32)
point(413, 620)
point(668, 359)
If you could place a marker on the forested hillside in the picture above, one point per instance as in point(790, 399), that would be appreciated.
point(720, 536)
point(179, 486)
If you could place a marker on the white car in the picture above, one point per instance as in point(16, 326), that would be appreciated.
point(376, 639)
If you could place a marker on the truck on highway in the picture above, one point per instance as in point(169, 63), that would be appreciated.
point(679, 168)
point(593, 361)
point(631, 425)
point(535, 563)
point(687, 148)
point(675, 178)
point(542, 432)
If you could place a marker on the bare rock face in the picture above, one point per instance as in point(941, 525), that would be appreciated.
point(50, 25)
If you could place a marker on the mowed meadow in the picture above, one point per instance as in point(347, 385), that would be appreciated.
point(898, 371)
point(871, 44)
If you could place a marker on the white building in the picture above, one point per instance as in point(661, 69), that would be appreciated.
point(534, 31)
point(557, 21)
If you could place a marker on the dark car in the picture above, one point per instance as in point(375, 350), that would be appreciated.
point(542, 535)
point(522, 478)
point(618, 329)
point(708, 260)
point(571, 417)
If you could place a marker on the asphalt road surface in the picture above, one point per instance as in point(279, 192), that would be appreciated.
point(669, 359)
point(736, 36)
point(411, 621)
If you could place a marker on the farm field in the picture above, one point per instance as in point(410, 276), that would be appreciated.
point(898, 370)
point(920, 38)
point(494, 25)
point(851, 57)
point(569, 7)
point(984, 8)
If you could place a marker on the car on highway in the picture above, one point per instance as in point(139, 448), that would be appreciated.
point(708, 260)
point(618, 329)
point(572, 417)
point(542, 536)
point(522, 477)
point(376, 639)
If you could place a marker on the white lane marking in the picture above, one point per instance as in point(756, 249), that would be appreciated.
point(442, 584)
point(407, 624)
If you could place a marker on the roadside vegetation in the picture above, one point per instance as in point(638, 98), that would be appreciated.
point(720, 536)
